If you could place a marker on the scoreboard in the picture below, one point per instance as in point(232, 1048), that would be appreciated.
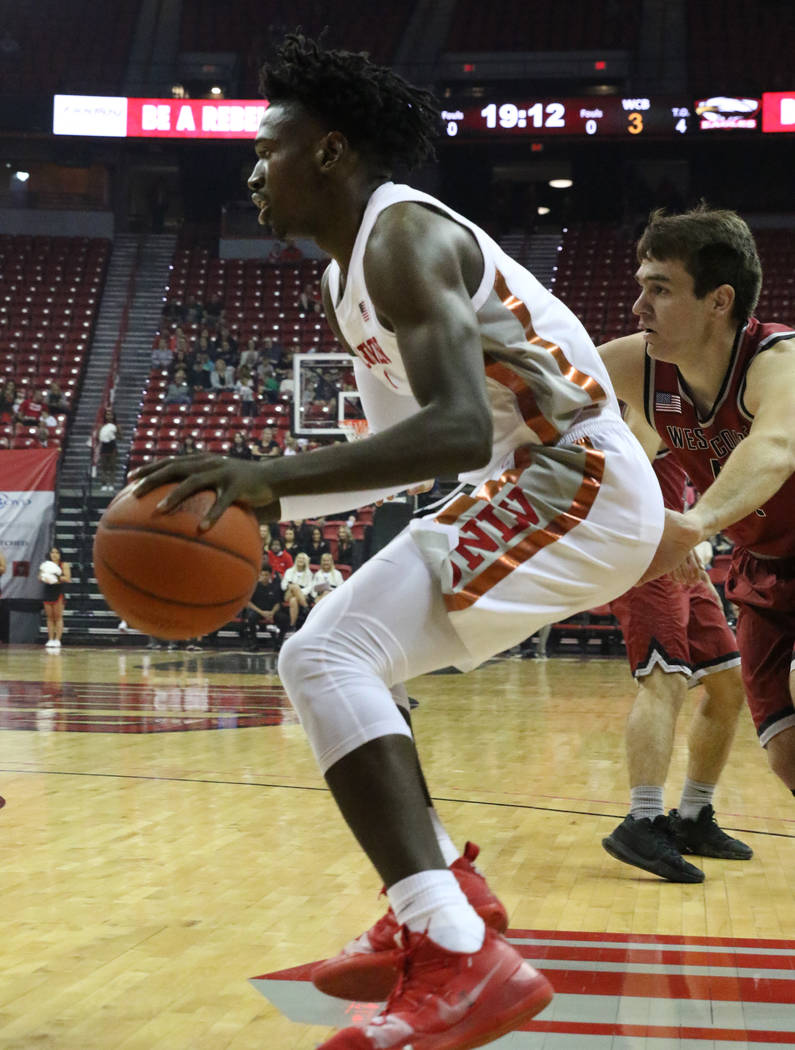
point(614, 116)
point(602, 116)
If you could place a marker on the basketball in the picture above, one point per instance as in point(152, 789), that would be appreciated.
point(163, 576)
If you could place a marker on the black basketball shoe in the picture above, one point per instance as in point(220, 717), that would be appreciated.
point(649, 844)
point(704, 838)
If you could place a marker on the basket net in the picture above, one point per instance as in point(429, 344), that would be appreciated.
point(355, 429)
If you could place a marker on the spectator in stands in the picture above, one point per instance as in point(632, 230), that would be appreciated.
point(303, 534)
point(203, 343)
point(188, 446)
point(213, 309)
point(293, 349)
point(266, 534)
point(297, 582)
point(178, 340)
point(280, 561)
point(309, 300)
point(108, 453)
point(180, 359)
point(290, 446)
point(227, 349)
point(194, 311)
point(244, 388)
point(264, 607)
point(317, 546)
point(54, 399)
point(250, 357)
point(273, 351)
point(222, 376)
point(286, 387)
point(179, 393)
point(33, 409)
point(345, 546)
point(267, 446)
point(43, 438)
point(290, 542)
point(269, 382)
point(201, 371)
point(239, 448)
point(8, 401)
point(161, 353)
point(327, 578)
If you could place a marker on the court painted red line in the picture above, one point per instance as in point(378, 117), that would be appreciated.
point(655, 954)
point(661, 1032)
point(650, 938)
point(667, 986)
point(654, 986)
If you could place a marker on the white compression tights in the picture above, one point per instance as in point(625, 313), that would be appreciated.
point(344, 669)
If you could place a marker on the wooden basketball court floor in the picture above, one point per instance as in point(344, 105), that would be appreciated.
point(170, 859)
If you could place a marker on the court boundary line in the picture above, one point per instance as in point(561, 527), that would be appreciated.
point(325, 790)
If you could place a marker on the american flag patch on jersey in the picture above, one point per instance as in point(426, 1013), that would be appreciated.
point(363, 310)
point(665, 402)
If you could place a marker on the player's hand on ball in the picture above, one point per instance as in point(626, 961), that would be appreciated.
point(233, 480)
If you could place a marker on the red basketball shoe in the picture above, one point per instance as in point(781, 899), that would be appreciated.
point(452, 1000)
point(366, 969)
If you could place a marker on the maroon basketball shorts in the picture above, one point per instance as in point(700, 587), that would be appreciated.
point(677, 628)
point(763, 589)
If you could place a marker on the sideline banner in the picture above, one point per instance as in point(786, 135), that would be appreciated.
point(27, 507)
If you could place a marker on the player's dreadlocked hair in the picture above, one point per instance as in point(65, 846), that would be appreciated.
point(380, 113)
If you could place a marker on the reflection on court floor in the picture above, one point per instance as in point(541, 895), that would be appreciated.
point(170, 702)
point(617, 992)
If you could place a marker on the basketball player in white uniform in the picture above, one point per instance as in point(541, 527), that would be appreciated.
point(465, 365)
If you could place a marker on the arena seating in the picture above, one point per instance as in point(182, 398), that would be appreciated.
point(723, 35)
point(247, 29)
point(566, 25)
point(594, 277)
point(79, 47)
point(49, 295)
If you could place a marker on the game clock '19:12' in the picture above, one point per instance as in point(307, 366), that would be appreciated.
point(603, 116)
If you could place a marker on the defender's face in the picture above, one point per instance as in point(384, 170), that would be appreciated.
point(285, 181)
point(669, 314)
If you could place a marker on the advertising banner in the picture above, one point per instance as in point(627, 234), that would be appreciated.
point(27, 507)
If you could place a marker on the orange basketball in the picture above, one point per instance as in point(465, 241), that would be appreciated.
point(163, 576)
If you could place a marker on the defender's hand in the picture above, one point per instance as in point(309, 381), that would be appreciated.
point(680, 534)
point(233, 480)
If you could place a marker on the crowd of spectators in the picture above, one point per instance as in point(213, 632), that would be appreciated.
point(259, 371)
point(298, 570)
point(32, 418)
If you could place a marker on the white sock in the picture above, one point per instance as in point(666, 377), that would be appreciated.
point(694, 797)
point(433, 902)
point(646, 800)
point(446, 844)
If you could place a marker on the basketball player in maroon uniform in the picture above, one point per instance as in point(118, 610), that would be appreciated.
point(718, 386)
point(676, 637)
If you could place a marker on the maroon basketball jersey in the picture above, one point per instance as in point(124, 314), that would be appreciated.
point(672, 479)
point(701, 446)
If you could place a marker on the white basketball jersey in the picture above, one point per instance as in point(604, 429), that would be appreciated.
point(543, 374)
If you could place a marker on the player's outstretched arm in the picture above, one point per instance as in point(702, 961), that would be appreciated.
point(765, 459)
point(755, 470)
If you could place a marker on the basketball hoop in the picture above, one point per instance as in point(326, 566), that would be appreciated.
point(355, 429)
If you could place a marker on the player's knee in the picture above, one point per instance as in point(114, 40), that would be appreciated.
point(781, 756)
point(298, 659)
